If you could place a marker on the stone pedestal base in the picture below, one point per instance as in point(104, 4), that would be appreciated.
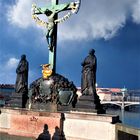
point(16, 100)
point(49, 107)
point(89, 126)
point(89, 104)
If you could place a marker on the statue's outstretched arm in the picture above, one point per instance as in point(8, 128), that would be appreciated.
point(65, 6)
point(61, 7)
point(39, 11)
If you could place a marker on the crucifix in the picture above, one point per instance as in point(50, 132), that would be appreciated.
point(51, 11)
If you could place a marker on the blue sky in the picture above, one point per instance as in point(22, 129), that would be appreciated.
point(112, 28)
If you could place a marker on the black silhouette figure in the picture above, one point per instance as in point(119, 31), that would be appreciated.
point(88, 80)
point(21, 85)
point(56, 135)
point(45, 135)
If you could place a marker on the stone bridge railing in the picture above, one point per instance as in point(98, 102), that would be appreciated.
point(124, 132)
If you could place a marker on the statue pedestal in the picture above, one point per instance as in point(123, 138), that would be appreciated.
point(88, 104)
point(50, 107)
point(15, 101)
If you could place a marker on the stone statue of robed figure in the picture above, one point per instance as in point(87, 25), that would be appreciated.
point(21, 85)
point(89, 74)
point(89, 98)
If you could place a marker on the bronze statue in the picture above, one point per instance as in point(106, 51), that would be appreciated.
point(88, 84)
point(51, 12)
point(89, 74)
point(21, 85)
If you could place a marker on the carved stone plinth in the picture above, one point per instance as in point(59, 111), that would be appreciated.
point(87, 103)
point(50, 107)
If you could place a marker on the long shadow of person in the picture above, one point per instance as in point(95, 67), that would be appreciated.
point(45, 135)
point(56, 135)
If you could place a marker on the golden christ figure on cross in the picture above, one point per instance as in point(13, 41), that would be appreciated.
point(51, 11)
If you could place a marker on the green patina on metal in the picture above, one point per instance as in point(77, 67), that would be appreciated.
point(51, 11)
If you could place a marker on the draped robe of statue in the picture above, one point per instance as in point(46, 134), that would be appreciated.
point(21, 85)
point(88, 79)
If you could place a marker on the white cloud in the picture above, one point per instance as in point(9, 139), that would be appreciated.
point(20, 13)
point(8, 70)
point(12, 63)
point(96, 18)
point(136, 12)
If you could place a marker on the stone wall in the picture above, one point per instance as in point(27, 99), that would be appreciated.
point(82, 126)
point(28, 123)
point(69, 125)
point(124, 132)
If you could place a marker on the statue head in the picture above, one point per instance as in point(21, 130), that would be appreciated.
point(91, 51)
point(23, 57)
point(45, 127)
point(48, 12)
